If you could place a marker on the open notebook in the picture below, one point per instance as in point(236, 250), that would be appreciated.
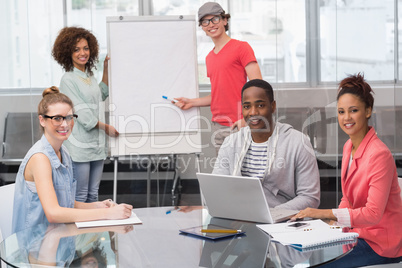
point(239, 198)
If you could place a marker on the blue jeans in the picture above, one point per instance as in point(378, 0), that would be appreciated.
point(88, 176)
point(361, 255)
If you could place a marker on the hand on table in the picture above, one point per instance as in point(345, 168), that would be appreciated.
point(315, 214)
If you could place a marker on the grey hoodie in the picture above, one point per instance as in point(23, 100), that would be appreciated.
point(291, 178)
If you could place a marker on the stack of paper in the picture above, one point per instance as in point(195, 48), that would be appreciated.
point(317, 233)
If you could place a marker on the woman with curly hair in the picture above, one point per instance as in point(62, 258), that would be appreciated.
point(76, 50)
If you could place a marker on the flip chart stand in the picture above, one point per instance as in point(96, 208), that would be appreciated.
point(149, 160)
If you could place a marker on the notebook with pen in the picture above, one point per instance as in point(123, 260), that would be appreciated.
point(239, 198)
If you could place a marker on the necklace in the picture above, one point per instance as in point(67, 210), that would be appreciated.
point(86, 80)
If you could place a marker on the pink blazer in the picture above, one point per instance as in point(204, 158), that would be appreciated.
point(371, 193)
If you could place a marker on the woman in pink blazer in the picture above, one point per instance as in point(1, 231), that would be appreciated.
point(371, 204)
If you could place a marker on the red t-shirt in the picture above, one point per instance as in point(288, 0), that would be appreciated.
point(227, 73)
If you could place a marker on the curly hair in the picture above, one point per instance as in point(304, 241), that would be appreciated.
point(357, 85)
point(65, 43)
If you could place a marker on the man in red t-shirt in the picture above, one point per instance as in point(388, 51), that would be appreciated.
point(229, 65)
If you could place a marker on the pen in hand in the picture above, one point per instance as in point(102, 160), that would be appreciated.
point(221, 231)
point(111, 203)
point(169, 99)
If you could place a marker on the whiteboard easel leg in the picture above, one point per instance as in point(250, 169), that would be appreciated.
point(149, 182)
point(158, 159)
point(175, 178)
point(115, 179)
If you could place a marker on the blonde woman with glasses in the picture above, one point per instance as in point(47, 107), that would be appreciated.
point(45, 186)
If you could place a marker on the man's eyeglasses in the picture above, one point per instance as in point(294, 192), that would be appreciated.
point(214, 20)
point(57, 120)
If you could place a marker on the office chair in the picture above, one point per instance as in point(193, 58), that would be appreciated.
point(21, 131)
point(6, 211)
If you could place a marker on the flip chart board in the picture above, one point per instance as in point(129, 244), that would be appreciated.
point(151, 57)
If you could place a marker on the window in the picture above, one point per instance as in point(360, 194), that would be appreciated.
point(357, 36)
point(276, 30)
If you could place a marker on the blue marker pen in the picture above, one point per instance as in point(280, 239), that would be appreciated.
point(173, 210)
point(166, 98)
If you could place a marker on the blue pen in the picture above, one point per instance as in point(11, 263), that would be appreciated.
point(166, 98)
point(172, 210)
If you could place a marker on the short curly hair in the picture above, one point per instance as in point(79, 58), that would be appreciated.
point(65, 43)
point(261, 84)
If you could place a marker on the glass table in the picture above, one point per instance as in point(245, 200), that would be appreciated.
point(156, 242)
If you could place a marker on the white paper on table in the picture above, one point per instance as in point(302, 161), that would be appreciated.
point(132, 220)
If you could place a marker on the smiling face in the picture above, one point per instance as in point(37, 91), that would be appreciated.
point(257, 112)
point(57, 133)
point(81, 54)
point(353, 115)
point(214, 30)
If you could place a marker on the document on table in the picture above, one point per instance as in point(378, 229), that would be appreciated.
point(132, 220)
point(315, 234)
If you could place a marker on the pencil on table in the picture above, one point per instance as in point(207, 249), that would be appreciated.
point(221, 231)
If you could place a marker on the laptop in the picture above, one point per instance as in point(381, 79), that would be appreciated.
point(239, 198)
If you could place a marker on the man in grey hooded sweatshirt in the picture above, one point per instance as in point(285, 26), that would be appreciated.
point(280, 156)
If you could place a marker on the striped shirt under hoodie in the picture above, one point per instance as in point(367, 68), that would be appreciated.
point(255, 160)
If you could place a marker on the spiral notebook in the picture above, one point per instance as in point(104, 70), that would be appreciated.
point(316, 234)
point(327, 245)
point(313, 238)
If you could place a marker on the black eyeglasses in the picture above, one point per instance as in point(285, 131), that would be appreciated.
point(57, 120)
point(214, 20)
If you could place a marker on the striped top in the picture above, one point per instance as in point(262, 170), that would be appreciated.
point(255, 160)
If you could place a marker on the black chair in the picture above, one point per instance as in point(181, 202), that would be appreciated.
point(21, 131)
